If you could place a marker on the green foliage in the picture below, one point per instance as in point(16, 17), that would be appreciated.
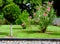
point(21, 1)
point(24, 17)
point(11, 12)
point(18, 21)
point(1, 15)
point(8, 1)
point(37, 2)
point(1, 18)
point(17, 1)
point(45, 0)
point(1, 3)
point(26, 1)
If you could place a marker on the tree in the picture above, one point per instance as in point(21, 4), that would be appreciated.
point(11, 13)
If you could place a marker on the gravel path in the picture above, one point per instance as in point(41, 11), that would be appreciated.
point(29, 42)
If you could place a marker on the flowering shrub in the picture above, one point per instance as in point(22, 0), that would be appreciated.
point(45, 14)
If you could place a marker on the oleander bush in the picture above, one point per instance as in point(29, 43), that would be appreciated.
point(44, 15)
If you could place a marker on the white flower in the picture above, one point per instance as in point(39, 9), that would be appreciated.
point(39, 15)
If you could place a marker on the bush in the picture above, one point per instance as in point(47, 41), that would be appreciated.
point(45, 14)
point(24, 18)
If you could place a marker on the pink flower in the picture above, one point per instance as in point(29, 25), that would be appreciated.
point(34, 14)
point(49, 3)
point(52, 2)
point(45, 14)
point(30, 17)
point(48, 9)
point(23, 24)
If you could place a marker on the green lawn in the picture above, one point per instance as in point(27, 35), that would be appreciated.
point(32, 32)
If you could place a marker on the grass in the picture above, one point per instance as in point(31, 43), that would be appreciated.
point(32, 32)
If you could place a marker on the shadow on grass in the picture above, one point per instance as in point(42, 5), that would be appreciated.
point(48, 32)
point(30, 31)
point(17, 28)
point(3, 33)
point(53, 33)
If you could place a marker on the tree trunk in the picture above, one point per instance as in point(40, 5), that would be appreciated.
point(43, 30)
point(10, 29)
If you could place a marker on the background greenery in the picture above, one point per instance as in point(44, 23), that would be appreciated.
point(30, 19)
point(19, 3)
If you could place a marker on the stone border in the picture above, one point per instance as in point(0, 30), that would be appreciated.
point(30, 39)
